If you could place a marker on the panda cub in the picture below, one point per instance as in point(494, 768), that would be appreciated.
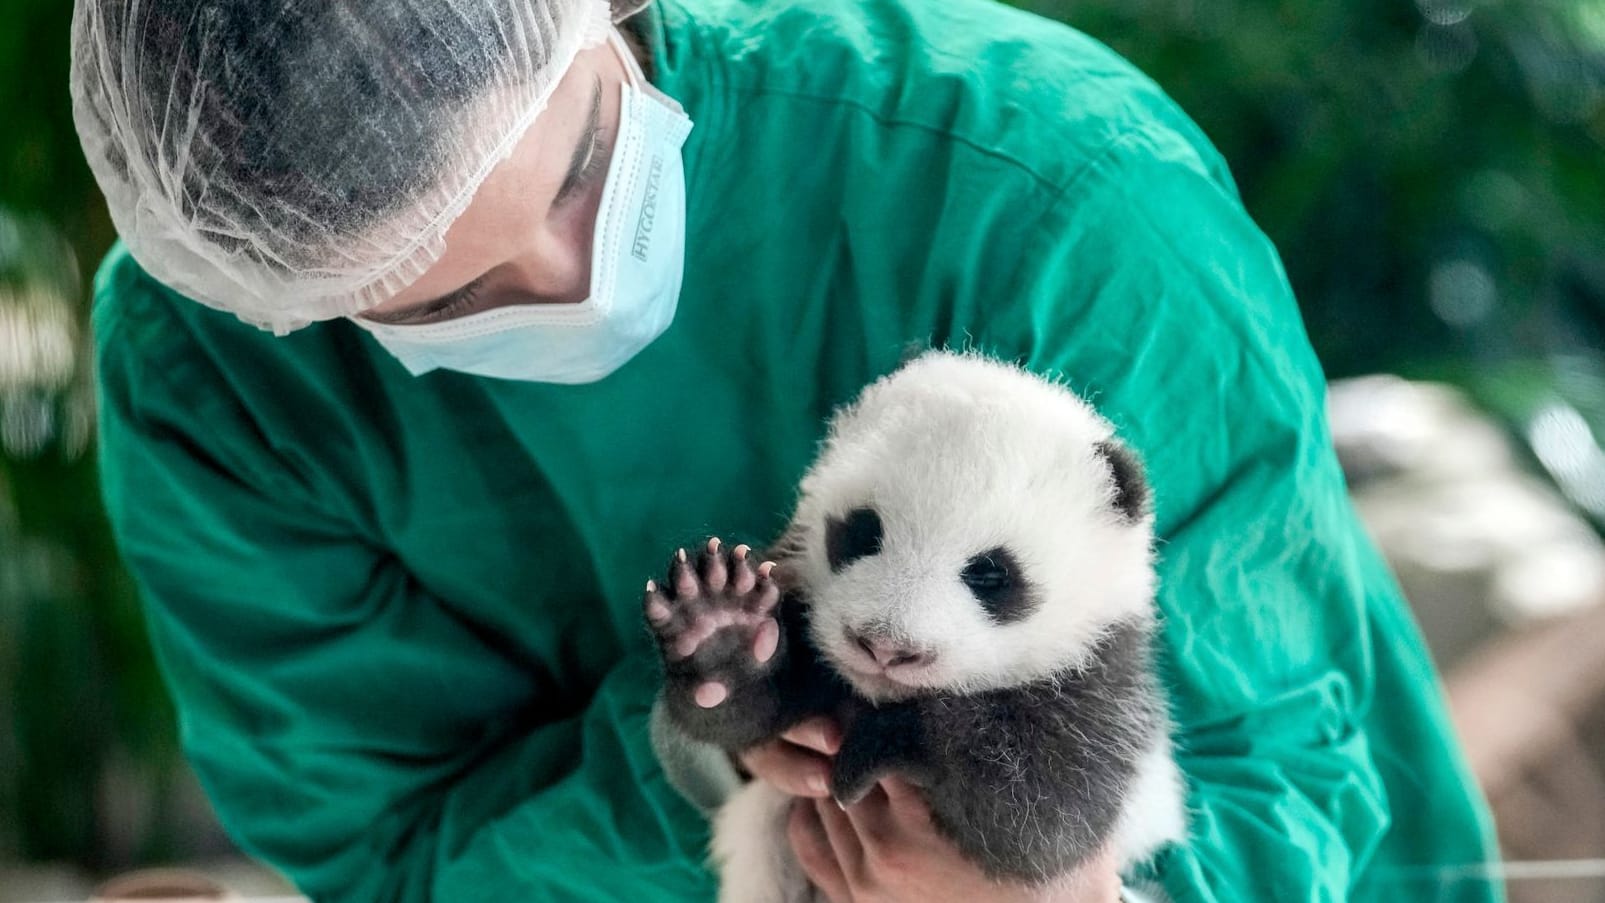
point(967, 587)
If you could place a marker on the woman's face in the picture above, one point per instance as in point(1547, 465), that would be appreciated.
point(526, 236)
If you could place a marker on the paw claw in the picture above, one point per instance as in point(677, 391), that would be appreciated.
point(658, 612)
point(765, 601)
point(742, 578)
point(714, 572)
point(686, 585)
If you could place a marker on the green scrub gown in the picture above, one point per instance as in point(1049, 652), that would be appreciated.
point(400, 616)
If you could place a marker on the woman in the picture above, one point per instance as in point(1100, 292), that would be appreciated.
point(533, 327)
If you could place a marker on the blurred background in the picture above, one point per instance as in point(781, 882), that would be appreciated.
point(1433, 172)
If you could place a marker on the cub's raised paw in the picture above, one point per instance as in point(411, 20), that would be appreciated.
point(714, 618)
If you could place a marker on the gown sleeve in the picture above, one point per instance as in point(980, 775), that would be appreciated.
point(350, 729)
point(1148, 289)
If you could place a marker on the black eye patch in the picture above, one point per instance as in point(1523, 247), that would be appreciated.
point(857, 536)
point(995, 579)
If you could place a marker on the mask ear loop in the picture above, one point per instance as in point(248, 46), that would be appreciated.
point(638, 79)
point(632, 68)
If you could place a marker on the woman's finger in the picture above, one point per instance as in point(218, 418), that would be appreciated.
point(812, 847)
point(789, 768)
point(872, 819)
point(819, 734)
point(844, 840)
point(907, 806)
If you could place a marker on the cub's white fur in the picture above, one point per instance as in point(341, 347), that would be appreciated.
point(1016, 465)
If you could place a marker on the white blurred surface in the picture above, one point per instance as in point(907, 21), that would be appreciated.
point(1478, 544)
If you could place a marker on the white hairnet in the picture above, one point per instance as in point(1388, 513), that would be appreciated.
point(298, 160)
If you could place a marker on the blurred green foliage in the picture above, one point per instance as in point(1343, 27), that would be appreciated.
point(1433, 172)
point(85, 729)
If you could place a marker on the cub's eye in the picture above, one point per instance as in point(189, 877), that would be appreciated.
point(993, 578)
point(857, 536)
point(986, 573)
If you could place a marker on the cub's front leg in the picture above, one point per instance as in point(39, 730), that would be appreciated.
point(723, 644)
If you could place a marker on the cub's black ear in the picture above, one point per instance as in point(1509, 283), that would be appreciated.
point(1131, 488)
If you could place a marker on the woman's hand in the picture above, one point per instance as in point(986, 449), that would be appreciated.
point(798, 762)
point(885, 849)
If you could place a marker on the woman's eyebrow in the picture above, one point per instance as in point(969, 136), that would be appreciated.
point(582, 148)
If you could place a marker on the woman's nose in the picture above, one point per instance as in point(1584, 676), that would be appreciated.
point(556, 269)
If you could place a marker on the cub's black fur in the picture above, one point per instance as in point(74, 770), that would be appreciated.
point(1026, 781)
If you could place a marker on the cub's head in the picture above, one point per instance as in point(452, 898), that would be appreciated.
point(968, 526)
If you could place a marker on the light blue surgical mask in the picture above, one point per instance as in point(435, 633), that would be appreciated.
point(637, 261)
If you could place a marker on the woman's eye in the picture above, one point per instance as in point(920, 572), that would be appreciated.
point(596, 161)
point(464, 302)
point(596, 166)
